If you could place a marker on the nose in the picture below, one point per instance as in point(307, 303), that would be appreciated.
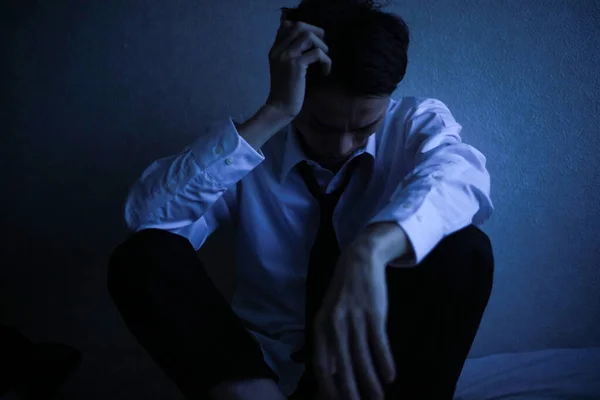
point(340, 145)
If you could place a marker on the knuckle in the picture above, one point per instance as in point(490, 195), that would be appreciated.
point(338, 323)
point(338, 315)
point(357, 314)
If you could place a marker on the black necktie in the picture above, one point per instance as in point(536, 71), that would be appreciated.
point(324, 254)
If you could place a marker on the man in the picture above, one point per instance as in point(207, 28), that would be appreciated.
point(360, 273)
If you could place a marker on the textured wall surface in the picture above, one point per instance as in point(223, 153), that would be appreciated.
point(94, 91)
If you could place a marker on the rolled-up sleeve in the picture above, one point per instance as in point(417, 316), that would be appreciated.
point(446, 187)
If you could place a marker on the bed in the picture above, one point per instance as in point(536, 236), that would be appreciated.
point(125, 372)
point(536, 375)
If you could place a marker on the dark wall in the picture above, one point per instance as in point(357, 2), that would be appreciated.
point(93, 90)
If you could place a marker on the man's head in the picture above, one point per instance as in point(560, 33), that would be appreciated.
point(368, 50)
point(332, 124)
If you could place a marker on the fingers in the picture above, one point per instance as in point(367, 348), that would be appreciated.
point(364, 368)
point(317, 55)
point(361, 352)
point(303, 26)
point(304, 42)
point(347, 383)
point(322, 361)
point(382, 353)
point(295, 38)
point(282, 40)
point(290, 32)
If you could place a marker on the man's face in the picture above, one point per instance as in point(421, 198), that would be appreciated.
point(332, 125)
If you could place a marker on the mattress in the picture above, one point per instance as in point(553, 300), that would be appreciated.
point(535, 375)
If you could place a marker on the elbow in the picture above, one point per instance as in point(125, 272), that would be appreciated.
point(482, 195)
point(477, 174)
point(486, 183)
point(133, 214)
point(131, 217)
point(474, 184)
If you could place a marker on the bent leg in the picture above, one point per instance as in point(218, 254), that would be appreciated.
point(434, 313)
point(172, 307)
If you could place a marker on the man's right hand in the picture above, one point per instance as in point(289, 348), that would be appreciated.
point(296, 46)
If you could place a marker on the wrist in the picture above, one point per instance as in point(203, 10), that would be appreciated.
point(262, 126)
point(383, 242)
point(274, 116)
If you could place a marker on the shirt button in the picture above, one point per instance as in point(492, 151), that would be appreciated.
point(438, 174)
point(419, 218)
point(228, 161)
point(218, 149)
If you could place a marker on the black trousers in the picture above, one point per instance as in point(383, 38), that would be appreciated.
point(176, 313)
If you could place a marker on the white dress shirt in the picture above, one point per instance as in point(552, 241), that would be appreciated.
point(414, 171)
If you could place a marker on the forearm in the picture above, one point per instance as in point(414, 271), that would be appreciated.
point(384, 242)
point(257, 130)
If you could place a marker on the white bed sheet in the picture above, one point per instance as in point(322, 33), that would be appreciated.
point(536, 375)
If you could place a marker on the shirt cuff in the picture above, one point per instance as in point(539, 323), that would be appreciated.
point(422, 224)
point(224, 155)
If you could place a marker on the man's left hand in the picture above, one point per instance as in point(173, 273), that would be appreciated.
point(350, 329)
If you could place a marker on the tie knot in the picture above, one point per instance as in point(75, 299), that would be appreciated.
point(310, 180)
point(317, 191)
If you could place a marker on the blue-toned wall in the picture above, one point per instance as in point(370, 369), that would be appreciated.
point(94, 91)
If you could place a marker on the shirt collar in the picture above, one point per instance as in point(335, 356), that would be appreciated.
point(293, 154)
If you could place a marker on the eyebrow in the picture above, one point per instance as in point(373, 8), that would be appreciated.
point(335, 129)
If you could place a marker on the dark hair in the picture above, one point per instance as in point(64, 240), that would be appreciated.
point(368, 47)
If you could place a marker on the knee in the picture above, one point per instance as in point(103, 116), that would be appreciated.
point(137, 258)
point(469, 245)
point(461, 260)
